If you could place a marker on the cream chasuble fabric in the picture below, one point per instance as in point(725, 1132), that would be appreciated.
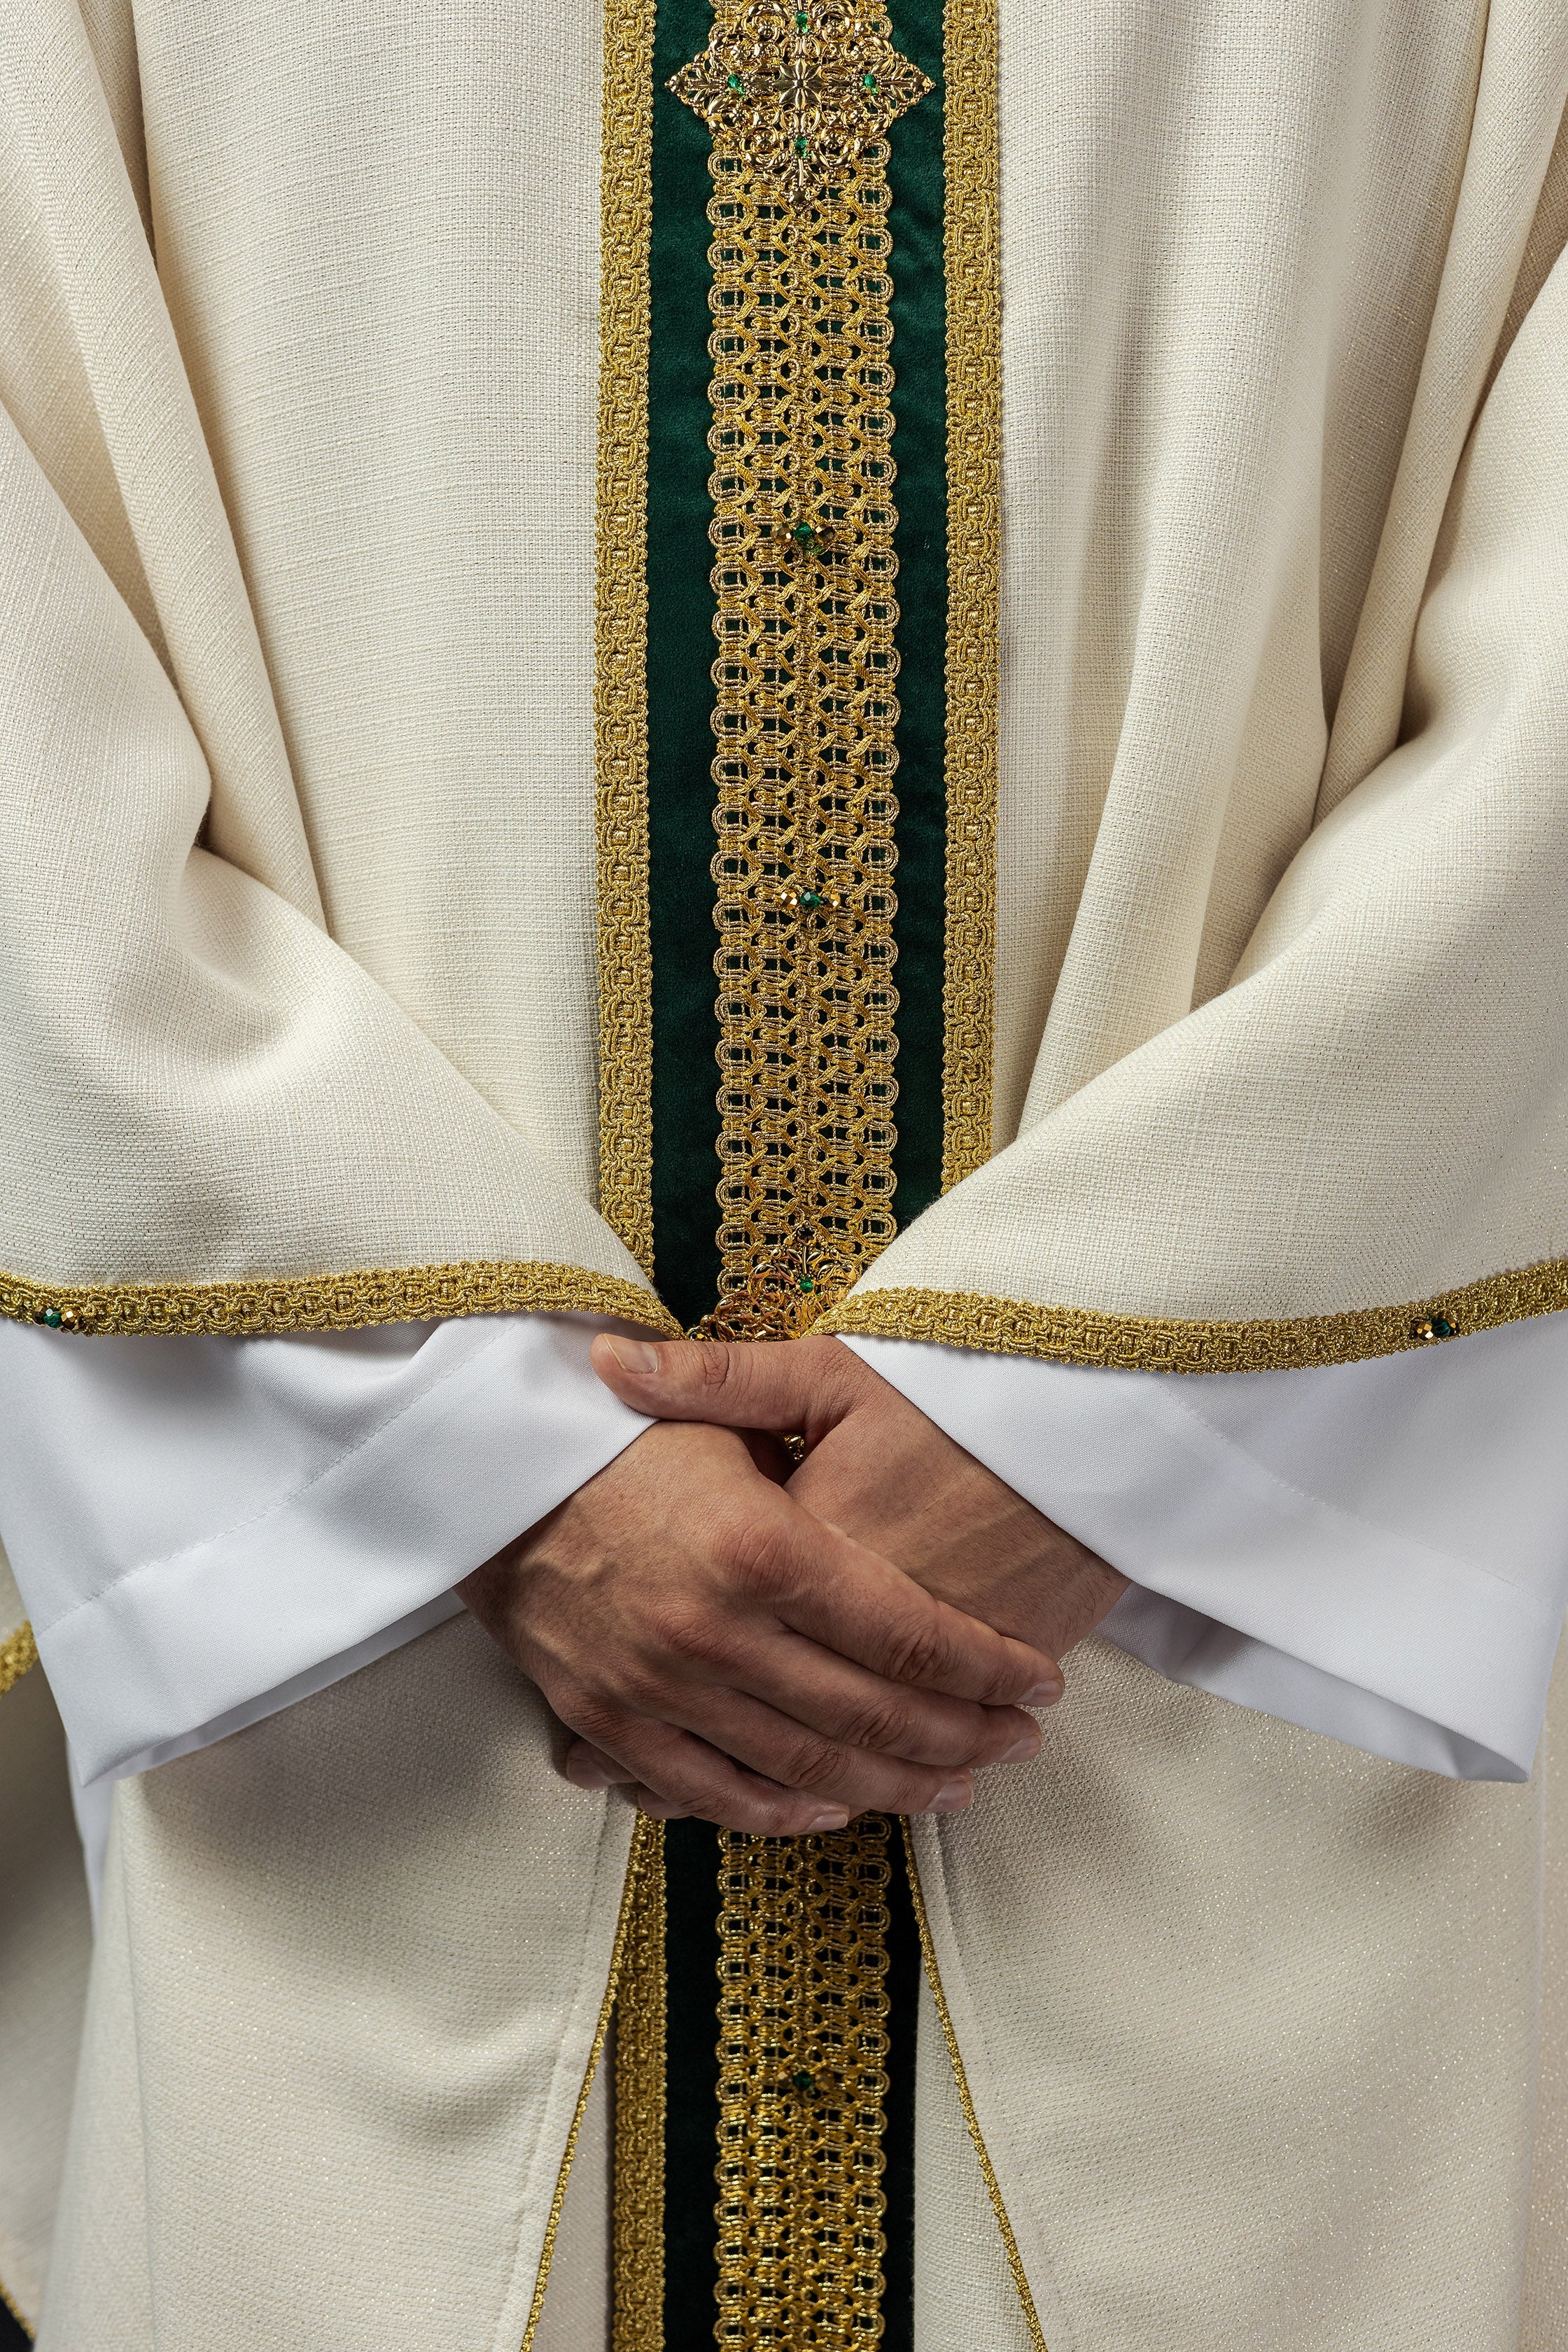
point(297, 557)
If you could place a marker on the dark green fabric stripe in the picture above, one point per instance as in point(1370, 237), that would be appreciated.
point(920, 446)
point(691, 2085)
point(680, 689)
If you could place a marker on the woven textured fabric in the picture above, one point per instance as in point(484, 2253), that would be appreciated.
point(46, 1944)
point(1249, 2020)
point(337, 2038)
point(300, 524)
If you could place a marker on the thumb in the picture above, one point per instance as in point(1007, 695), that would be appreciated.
point(786, 1385)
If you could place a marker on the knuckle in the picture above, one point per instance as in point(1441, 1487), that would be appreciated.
point(594, 1717)
point(812, 1763)
point(756, 1550)
point(887, 1727)
point(918, 1652)
point(685, 1634)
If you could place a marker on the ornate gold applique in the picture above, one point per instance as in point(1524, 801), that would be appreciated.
point(803, 529)
point(803, 2086)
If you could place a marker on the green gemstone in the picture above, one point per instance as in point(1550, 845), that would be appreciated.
point(801, 20)
point(801, 145)
point(868, 82)
point(807, 1283)
point(1442, 1327)
point(803, 532)
point(737, 81)
point(812, 899)
point(804, 2084)
point(51, 1316)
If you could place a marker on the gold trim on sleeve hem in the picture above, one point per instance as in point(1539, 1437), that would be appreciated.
point(18, 1656)
point(1154, 1343)
point(961, 2082)
point(620, 701)
point(330, 1302)
point(971, 173)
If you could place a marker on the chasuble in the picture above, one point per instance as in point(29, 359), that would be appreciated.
point(748, 668)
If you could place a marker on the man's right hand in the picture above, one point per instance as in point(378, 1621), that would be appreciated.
point(733, 1658)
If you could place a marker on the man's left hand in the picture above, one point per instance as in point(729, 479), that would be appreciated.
point(878, 1470)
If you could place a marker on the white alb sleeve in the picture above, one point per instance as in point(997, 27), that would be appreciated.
point(1376, 1550)
point(205, 1530)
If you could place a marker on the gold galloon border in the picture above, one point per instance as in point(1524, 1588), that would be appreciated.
point(973, 265)
point(1155, 1343)
point(620, 691)
point(641, 2027)
point(966, 2099)
point(330, 1302)
point(646, 1835)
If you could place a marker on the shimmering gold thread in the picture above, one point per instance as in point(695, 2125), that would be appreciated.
point(806, 670)
point(334, 1302)
point(642, 1842)
point(802, 2088)
point(28, 2330)
point(620, 701)
point(18, 1656)
point(1152, 1343)
point(972, 252)
point(961, 2082)
point(638, 2324)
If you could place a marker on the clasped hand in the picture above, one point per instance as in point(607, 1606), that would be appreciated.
point(776, 1652)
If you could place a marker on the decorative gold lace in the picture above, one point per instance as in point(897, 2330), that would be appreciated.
point(803, 2086)
point(798, 101)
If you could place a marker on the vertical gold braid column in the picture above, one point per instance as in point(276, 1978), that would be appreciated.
point(620, 706)
point(798, 101)
point(803, 2086)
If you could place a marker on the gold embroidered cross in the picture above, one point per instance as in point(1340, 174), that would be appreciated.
point(800, 92)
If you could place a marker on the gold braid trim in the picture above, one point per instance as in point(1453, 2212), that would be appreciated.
point(620, 703)
point(331, 1302)
point(1154, 1343)
point(961, 2080)
point(646, 1835)
point(971, 173)
point(641, 2020)
point(18, 1655)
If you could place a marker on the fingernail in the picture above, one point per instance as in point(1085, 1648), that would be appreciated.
point(589, 1776)
point(1027, 1743)
point(827, 1821)
point(1044, 1694)
point(638, 1356)
point(952, 1797)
